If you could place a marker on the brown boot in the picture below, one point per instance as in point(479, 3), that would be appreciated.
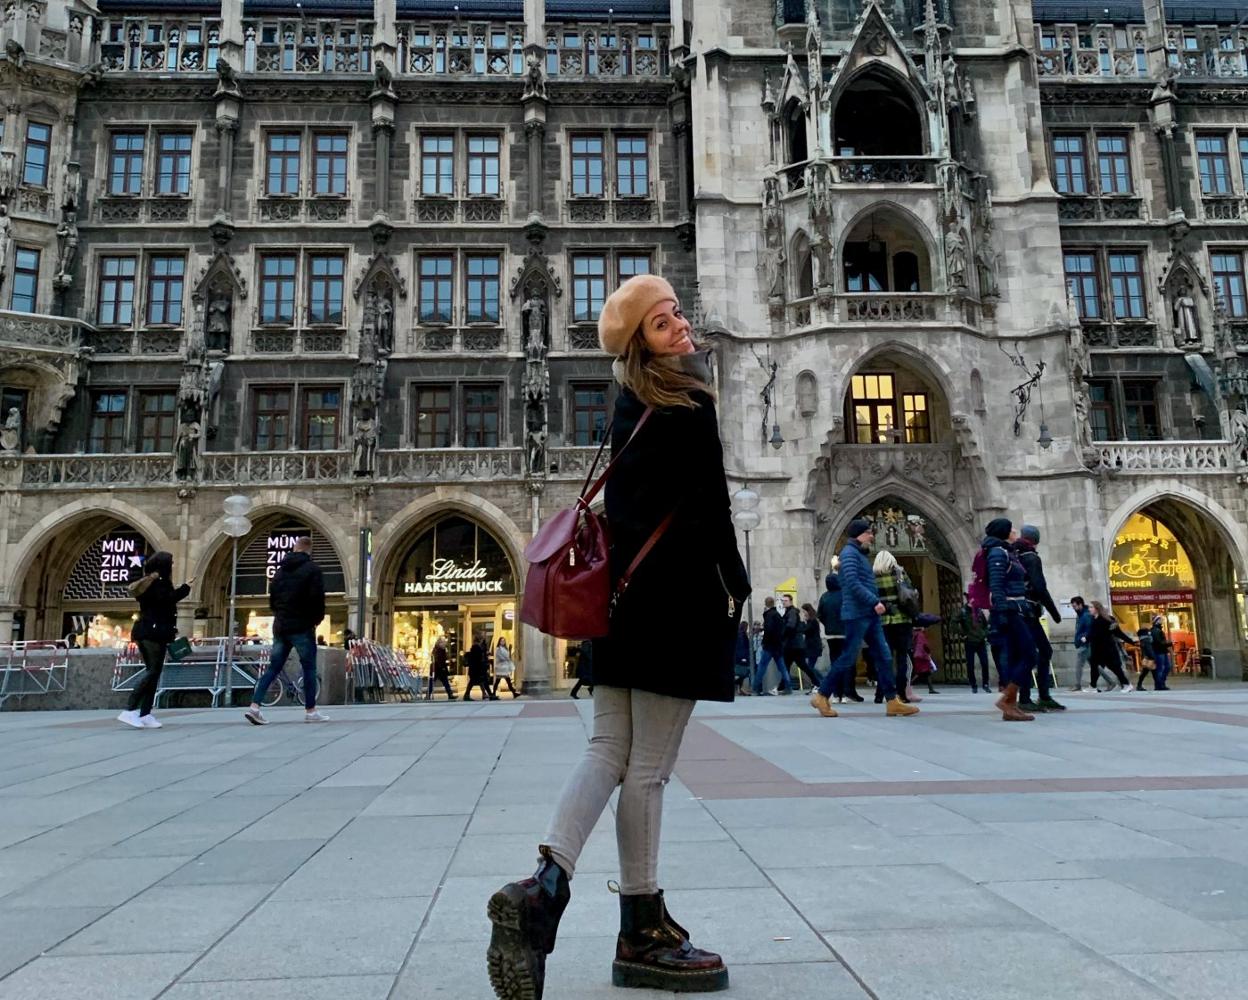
point(1008, 703)
point(652, 953)
point(819, 702)
point(899, 707)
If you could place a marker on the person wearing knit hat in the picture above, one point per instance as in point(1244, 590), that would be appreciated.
point(1007, 585)
point(667, 487)
point(1040, 601)
point(1162, 656)
point(861, 612)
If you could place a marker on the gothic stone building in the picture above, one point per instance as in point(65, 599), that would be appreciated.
point(964, 259)
point(341, 257)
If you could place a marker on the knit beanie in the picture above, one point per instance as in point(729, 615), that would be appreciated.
point(1031, 533)
point(999, 528)
point(627, 306)
point(857, 526)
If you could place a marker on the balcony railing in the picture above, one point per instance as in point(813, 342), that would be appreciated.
point(310, 45)
point(481, 49)
point(289, 340)
point(1091, 208)
point(1119, 333)
point(607, 50)
point(451, 464)
point(97, 470)
point(571, 462)
point(475, 339)
point(884, 307)
point(1208, 52)
point(1167, 456)
point(275, 466)
point(57, 333)
point(1101, 50)
point(160, 45)
point(1222, 207)
point(884, 169)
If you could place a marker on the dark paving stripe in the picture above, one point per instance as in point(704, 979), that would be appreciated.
point(547, 710)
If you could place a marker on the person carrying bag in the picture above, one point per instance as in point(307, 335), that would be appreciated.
point(155, 628)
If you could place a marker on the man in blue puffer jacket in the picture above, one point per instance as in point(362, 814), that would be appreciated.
point(1007, 583)
point(860, 613)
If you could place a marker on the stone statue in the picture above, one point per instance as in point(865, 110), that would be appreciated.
point(383, 79)
point(536, 339)
point(365, 446)
point(227, 79)
point(67, 243)
point(1078, 357)
point(534, 79)
point(773, 269)
point(1186, 321)
point(187, 449)
point(1239, 433)
point(378, 309)
point(69, 186)
point(11, 433)
point(8, 172)
point(953, 84)
point(818, 197)
point(1164, 91)
point(6, 238)
point(773, 223)
point(537, 451)
point(220, 308)
point(1083, 415)
point(955, 259)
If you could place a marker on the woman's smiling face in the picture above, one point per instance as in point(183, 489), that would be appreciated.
point(666, 331)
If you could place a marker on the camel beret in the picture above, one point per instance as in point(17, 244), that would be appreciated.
point(627, 306)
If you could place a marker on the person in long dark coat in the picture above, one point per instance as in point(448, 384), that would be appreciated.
point(477, 660)
point(584, 670)
point(671, 643)
point(155, 628)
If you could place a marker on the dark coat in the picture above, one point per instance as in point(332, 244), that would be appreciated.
point(1104, 648)
point(1037, 586)
point(794, 636)
point(1083, 627)
point(158, 609)
point(829, 612)
point(813, 640)
point(974, 627)
point(1007, 580)
point(773, 631)
point(1161, 644)
point(674, 630)
point(441, 662)
point(297, 595)
point(859, 595)
point(585, 663)
point(478, 663)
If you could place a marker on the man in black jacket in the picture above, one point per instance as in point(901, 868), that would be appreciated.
point(297, 600)
point(773, 649)
point(1041, 601)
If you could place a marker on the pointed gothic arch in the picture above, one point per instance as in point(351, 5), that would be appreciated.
point(380, 274)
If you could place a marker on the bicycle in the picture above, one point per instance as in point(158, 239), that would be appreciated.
point(283, 684)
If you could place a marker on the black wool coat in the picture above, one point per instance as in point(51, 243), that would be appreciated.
point(674, 630)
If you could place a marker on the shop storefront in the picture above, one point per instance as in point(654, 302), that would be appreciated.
point(258, 561)
point(454, 582)
point(96, 606)
point(1150, 574)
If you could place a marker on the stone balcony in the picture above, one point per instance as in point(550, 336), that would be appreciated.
point(929, 466)
point(1150, 457)
point(45, 333)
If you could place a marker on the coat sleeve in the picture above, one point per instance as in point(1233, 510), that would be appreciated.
point(998, 570)
point(853, 580)
point(1038, 585)
point(316, 594)
point(182, 593)
point(714, 509)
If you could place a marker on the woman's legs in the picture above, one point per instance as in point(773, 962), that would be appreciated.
point(143, 697)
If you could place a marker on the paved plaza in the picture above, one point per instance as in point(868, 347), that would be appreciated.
point(1099, 853)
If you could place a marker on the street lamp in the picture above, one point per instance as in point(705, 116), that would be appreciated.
point(746, 517)
point(236, 525)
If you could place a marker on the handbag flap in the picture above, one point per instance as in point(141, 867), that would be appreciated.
point(554, 535)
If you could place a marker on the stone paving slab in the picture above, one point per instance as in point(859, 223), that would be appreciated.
point(945, 856)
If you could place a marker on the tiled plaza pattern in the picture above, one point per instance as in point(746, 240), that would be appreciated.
point(1100, 853)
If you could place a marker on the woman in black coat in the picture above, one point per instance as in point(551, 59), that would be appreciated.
point(1104, 653)
point(671, 642)
point(155, 628)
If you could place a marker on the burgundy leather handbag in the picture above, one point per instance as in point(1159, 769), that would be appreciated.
point(567, 589)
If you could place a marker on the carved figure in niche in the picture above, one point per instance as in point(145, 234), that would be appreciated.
point(1083, 415)
point(67, 246)
point(69, 186)
point(365, 446)
point(6, 238)
point(8, 172)
point(220, 321)
point(955, 259)
point(807, 394)
point(986, 268)
point(773, 227)
point(1238, 428)
point(819, 197)
point(1078, 357)
point(1186, 319)
point(534, 80)
point(822, 249)
point(953, 84)
point(11, 433)
point(187, 449)
point(379, 308)
point(536, 335)
point(773, 269)
point(537, 451)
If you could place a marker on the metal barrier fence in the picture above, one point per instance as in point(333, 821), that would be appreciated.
point(33, 667)
point(379, 673)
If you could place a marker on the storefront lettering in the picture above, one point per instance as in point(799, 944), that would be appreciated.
point(277, 548)
point(1136, 570)
point(449, 577)
point(117, 556)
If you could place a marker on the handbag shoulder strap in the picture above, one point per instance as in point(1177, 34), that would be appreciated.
point(644, 551)
point(587, 492)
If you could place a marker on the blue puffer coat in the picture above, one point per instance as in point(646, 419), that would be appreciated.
point(1007, 580)
point(859, 595)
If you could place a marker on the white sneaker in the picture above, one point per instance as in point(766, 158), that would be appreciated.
point(149, 722)
point(253, 716)
point(131, 719)
point(315, 716)
point(1128, 689)
point(840, 701)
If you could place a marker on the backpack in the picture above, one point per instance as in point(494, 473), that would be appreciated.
point(908, 599)
point(978, 594)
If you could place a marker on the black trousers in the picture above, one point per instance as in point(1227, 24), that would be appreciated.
point(1110, 664)
point(576, 689)
point(899, 638)
point(483, 684)
point(974, 650)
point(143, 697)
point(505, 678)
point(1044, 657)
point(443, 676)
point(797, 658)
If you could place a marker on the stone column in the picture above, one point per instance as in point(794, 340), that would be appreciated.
point(534, 24)
point(535, 133)
point(385, 32)
point(6, 622)
point(232, 32)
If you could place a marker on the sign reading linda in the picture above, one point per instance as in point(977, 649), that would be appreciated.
point(446, 576)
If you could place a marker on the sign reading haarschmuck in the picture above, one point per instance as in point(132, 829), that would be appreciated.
point(446, 576)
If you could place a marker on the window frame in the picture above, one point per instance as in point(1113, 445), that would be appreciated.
point(1105, 407)
point(484, 158)
point(443, 160)
point(166, 301)
point(419, 407)
point(165, 436)
point(19, 273)
point(632, 158)
point(337, 161)
point(117, 281)
point(319, 290)
point(307, 414)
point(920, 432)
point(1133, 409)
point(484, 281)
point(593, 432)
point(131, 160)
point(1213, 157)
point(179, 179)
point(1219, 276)
point(466, 411)
point(1118, 158)
point(45, 145)
point(624, 255)
point(584, 158)
point(271, 412)
point(439, 283)
point(1133, 283)
point(279, 280)
point(282, 157)
point(113, 438)
point(1064, 159)
point(877, 405)
point(1080, 295)
point(589, 314)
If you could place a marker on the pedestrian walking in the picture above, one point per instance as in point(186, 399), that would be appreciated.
point(861, 611)
point(477, 660)
point(1083, 638)
point(584, 670)
point(154, 629)
point(1162, 655)
point(686, 596)
point(743, 659)
point(773, 649)
point(1007, 585)
point(795, 651)
point(829, 615)
point(1105, 655)
point(921, 656)
point(813, 637)
point(974, 628)
point(297, 600)
point(1025, 547)
point(1148, 662)
point(504, 668)
point(898, 629)
point(440, 669)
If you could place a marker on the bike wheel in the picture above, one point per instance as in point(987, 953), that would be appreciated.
point(274, 693)
point(299, 686)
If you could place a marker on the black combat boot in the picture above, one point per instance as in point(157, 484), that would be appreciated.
point(653, 952)
point(526, 916)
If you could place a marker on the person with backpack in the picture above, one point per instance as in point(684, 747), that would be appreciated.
point(1041, 601)
point(1161, 654)
point(829, 615)
point(1007, 588)
point(861, 611)
point(1083, 638)
point(154, 629)
point(773, 650)
point(891, 581)
point(685, 598)
point(297, 600)
point(974, 641)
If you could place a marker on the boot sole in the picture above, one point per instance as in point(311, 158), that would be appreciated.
point(633, 975)
point(517, 972)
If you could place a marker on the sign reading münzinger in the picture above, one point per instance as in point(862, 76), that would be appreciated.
point(449, 577)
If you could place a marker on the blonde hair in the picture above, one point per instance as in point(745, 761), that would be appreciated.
point(885, 562)
point(656, 384)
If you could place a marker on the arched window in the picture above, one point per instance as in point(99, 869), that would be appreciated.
point(884, 253)
point(795, 141)
point(805, 267)
point(872, 98)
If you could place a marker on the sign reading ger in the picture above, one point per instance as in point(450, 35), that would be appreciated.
point(449, 577)
point(118, 553)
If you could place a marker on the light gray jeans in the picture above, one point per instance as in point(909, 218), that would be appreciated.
point(1082, 655)
point(636, 738)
